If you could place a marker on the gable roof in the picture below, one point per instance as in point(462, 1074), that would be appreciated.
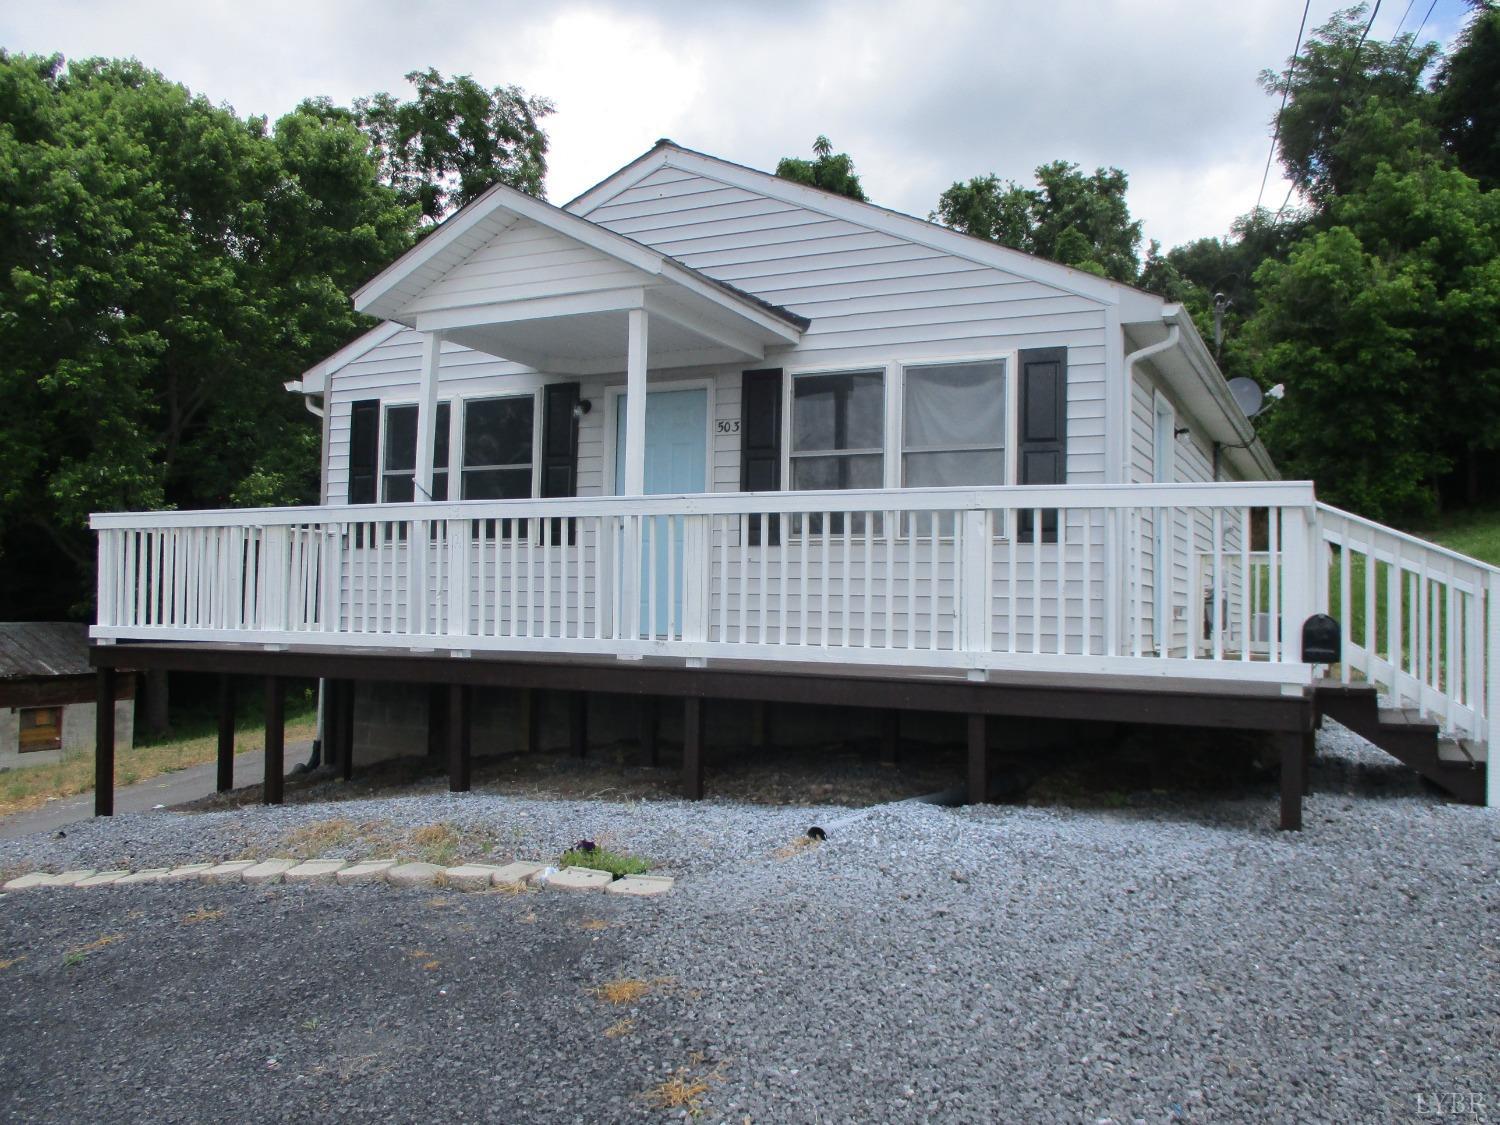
point(502, 207)
point(30, 649)
point(1137, 303)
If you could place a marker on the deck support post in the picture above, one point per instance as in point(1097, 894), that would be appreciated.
point(275, 773)
point(890, 738)
point(1293, 781)
point(692, 748)
point(650, 727)
point(224, 781)
point(458, 738)
point(578, 724)
point(346, 730)
point(104, 742)
point(530, 735)
point(979, 760)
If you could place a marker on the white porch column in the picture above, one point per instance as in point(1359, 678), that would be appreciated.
point(635, 406)
point(427, 398)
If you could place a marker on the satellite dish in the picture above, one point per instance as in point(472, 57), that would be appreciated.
point(1248, 395)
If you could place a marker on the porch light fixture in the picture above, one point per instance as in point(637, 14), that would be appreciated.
point(582, 407)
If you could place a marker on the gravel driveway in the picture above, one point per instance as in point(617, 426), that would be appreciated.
point(1172, 959)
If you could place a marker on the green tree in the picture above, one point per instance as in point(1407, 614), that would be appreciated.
point(827, 170)
point(1327, 143)
point(167, 266)
point(1468, 97)
point(1384, 330)
point(1078, 220)
point(453, 140)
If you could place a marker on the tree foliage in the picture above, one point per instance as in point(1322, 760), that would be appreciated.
point(167, 266)
point(1326, 140)
point(827, 170)
point(454, 139)
point(1468, 98)
point(1069, 217)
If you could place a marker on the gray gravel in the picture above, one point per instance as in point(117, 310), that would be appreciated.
point(1176, 958)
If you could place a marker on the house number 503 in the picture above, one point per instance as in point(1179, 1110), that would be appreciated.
point(728, 426)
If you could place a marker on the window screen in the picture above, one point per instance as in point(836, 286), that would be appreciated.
point(399, 456)
point(954, 425)
point(838, 430)
point(498, 448)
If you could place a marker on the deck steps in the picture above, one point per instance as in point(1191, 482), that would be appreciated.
point(1407, 735)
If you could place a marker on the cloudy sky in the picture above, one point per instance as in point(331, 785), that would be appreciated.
point(920, 94)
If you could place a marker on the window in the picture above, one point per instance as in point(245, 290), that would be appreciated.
point(954, 425)
point(399, 457)
point(41, 729)
point(498, 448)
point(838, 431)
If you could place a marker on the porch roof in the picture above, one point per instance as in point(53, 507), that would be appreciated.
point(518, 278)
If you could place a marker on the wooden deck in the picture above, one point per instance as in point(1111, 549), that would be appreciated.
point(1284, 712)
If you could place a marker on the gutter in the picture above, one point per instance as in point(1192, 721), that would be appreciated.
point(295, 386)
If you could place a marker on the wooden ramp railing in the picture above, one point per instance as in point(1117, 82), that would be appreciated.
point(1420, 622)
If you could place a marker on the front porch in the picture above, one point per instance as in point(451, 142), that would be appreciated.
point(1175, 604)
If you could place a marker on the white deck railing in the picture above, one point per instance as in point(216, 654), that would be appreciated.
point(1420, 621)
point(937, 578)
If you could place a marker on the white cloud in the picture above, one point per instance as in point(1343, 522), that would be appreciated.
point(920, 94)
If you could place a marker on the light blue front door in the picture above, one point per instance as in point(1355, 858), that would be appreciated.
point(676, 462)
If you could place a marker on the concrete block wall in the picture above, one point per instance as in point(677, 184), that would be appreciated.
point(77, 733)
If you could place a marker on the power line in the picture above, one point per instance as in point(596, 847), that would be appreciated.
point(1410, 4)
point(1334, 101)
point(1418, 33)
point(1276, 130)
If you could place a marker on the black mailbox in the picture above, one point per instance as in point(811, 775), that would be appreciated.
point(1321, 640)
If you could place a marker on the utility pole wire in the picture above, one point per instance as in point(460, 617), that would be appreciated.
point(1276, 130)
point(1333, 104)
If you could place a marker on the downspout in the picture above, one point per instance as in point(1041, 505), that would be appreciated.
point(296, 387)
point(1174, 333)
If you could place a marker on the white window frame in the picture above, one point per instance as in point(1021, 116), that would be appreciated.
point(455, 443)
point(789, 379)
point(386, 405)
point(1007, 443)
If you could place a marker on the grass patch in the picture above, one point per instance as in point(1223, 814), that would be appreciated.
point(79, 953)
point(1474, 532)
point(436, 843)
point(627, 990)
point(619, 1028)
point(602, 859)
point(32, 786)
point(202, 914)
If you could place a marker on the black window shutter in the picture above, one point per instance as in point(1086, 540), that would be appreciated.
point(1043, 429)
point(364, 443)
point(560, 448)
point(760, 441)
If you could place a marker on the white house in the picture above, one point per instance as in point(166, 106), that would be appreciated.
point(702, 428)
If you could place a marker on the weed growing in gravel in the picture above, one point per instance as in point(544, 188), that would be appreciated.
point(312, 840)
point(602, 859)
point(11, 961)
point(682, 1091)
point(437, 843)
point(594, 924)
point(202, 914)
point(619, 1028)
point(622, 991)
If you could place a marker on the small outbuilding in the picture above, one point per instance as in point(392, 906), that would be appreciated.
point(47, 692)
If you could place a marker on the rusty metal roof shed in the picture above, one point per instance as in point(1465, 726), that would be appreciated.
point(41, 649)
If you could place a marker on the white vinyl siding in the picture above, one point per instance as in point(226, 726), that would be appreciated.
point(873, 298)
